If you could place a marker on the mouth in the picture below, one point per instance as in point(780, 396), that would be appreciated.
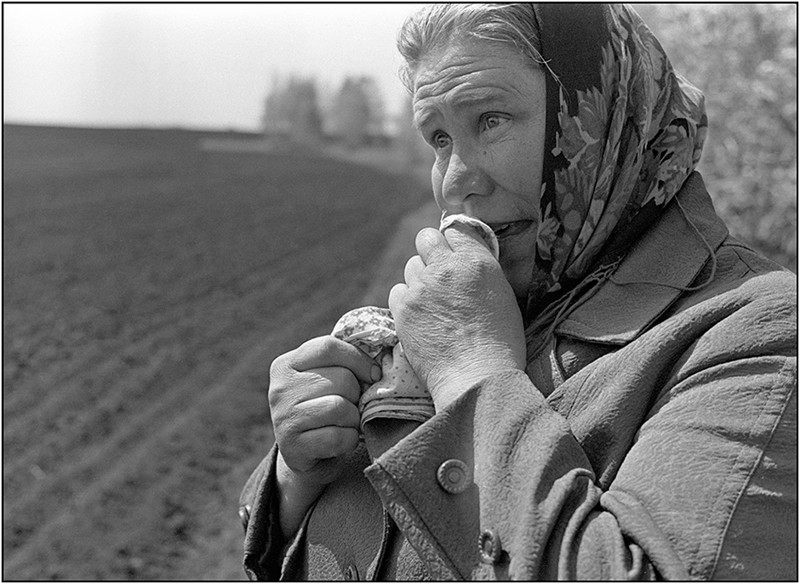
point(505, 230)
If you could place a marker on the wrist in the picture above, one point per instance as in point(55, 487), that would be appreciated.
point(296, 495)
point(455, 383)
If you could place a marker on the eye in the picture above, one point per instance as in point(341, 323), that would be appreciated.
point(491, 121)
point(440, 140)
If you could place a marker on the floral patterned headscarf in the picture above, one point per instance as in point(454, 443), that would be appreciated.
point(623, 133)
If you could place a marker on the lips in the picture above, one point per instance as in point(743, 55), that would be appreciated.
point(504, 230)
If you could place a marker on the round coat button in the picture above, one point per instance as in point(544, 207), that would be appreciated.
point(489, 547)
point(351, 573)
point(453, 476)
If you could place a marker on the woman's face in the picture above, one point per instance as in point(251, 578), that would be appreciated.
point(481, 107)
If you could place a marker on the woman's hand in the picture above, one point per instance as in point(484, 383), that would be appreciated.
point(456, 314)
point(313, 396)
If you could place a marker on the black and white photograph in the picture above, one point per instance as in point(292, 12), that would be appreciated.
point(318, 291)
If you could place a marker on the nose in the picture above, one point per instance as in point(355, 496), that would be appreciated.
point(463, 177)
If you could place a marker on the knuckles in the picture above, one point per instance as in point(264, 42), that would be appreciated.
point(326, 344)
point(279, 367)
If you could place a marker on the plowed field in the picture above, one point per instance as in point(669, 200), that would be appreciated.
point(147, 286)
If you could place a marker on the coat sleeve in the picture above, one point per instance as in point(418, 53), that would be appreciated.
point(267, 555)
point(670, 443)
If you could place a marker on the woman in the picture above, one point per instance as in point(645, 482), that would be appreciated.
point(614, 399)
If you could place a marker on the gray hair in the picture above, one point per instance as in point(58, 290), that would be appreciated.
point(434, 25)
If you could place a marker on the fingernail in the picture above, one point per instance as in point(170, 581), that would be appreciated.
point(376, 373)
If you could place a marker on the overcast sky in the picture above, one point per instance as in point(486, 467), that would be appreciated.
point(191, 65)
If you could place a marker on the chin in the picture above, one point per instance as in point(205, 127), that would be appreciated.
point(519, 283)
point(516, 260)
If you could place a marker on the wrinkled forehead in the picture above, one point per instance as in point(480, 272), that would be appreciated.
point(462, 61)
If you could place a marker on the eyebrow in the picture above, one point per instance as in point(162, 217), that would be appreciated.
point(418, 121)
point(478, 96)
point(465, 97)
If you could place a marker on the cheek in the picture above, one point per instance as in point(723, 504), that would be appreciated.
point(513, 164)
point(525, 166)
point(437, 179)
point(518, 273)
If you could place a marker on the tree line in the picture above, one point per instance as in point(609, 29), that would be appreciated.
point(355, 115)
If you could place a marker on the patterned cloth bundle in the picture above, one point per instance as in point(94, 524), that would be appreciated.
point(399, 394)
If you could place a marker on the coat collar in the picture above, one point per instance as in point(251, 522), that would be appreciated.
point(662, 263)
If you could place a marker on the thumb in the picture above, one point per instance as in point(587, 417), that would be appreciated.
point(467, 237)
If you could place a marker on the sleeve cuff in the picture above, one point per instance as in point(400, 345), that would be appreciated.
point(267, 554)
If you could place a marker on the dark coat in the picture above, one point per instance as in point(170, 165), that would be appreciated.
point(656, 437)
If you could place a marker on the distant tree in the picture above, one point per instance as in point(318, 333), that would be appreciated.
point(416, 152)
point(275, 115)
point(292, 109)
point(744, 59)
point(357, 112)
point(377, 117)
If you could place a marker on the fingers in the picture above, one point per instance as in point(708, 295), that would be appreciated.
point(323, 411)
point(414, 269)
point(396, 296)
point(431, 245)
point(328, 351)
point(459, 236)
point(336, 381)
point(325, 443)
point(313, 396)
